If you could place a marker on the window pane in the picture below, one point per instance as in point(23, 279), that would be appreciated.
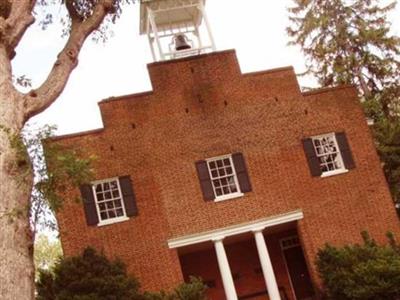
point(108, 200)
point(113, 185)
point(223, 176)
point(328, 153)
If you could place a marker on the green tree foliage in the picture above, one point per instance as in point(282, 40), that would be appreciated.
point(349, 42)
point(55, 167)
point(367, 271)
point(387, 135)
point(79, 11)
point(46, 253)
point(90, 276)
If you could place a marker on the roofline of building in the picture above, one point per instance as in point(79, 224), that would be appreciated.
point(327, 89)
point(193, 57)
point(124, 97)
point(188, 58)
point(147, 93)
point(76, 134)
point(275, 70)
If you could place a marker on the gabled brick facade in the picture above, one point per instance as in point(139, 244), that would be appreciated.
point(202, 107)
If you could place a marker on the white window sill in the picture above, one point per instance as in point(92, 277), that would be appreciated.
point(112, 221)
point(335, 172)
point(227, 197)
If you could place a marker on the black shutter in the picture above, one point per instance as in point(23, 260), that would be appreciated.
point(128, 196)
point(205, 180)
point(345, 150)
point(312, 159)
point(241, 172)
point(89, 205)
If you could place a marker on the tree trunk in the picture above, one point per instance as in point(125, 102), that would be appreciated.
point(16, 242)
point(16, 245)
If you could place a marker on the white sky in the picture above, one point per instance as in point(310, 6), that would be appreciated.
point(255, 28)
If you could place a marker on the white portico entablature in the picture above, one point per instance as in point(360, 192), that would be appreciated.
point(257, 225)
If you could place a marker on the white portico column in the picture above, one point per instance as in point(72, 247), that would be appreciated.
point(266, 265)
point(225, 270)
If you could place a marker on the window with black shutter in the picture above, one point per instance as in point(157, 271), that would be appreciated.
point(108, 201)
point(89, 205)
point(223, 177)
point(328, 154)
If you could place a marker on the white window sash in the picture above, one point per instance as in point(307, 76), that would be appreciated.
point(109, 220)
point(337, 171)
point(238, 192)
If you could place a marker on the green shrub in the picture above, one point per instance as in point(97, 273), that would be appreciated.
point(193, 290)
point(90, 276)
point(368, 271)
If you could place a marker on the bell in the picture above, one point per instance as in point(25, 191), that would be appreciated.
point(180, 42)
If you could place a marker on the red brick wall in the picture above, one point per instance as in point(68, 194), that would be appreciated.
point(203, 107)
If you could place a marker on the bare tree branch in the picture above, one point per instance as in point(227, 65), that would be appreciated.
point(17, 23)
point(38, 100)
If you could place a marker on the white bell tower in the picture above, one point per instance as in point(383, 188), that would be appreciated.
point(176, 28)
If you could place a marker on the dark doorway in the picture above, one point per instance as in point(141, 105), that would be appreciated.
point(297, 268)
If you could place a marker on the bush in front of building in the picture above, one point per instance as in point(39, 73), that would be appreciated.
point(368, 271)
point(193, 290)
point(91, 276)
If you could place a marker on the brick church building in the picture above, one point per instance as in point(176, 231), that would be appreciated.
point(236, 178)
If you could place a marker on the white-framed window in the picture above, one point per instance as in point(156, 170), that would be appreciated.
point(328, 154)
point(109, 202)
point(223, 177)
